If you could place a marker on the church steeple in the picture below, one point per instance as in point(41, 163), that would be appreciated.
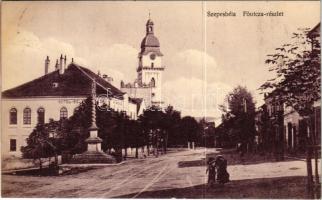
point(149, 71)
point(149, 27)
point(150, 40)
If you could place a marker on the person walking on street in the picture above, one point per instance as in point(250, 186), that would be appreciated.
point(211, 170)
point(221, 168)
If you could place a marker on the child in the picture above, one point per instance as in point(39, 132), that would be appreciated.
point(211, 170)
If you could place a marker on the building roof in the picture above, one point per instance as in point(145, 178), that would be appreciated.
point(315, 32)
point(76, 81)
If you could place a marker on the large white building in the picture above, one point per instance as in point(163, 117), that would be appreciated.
point(148, 84)
point(54, 96)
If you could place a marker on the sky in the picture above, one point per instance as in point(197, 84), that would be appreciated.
point(204, 57)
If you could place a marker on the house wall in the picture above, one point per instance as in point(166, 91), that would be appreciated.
point(291, 127)
point(52, 106)
point(140, 92)
point(21, 131)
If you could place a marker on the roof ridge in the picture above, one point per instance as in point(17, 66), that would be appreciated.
point(91, 78)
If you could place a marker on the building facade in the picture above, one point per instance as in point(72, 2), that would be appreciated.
point(148, 84)
point(55, 95)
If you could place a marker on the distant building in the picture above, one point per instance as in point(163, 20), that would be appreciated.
point(148, 84)
point(55, 95)
point(314, 35)
point(275, 111)
point(292, 122)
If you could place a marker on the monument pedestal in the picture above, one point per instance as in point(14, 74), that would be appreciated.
point(94, 153)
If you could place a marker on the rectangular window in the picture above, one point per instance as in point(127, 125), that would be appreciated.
point(13, 145)
point(41, 116)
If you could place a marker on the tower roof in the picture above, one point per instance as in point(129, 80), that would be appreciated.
point(150, 42)
point(149, 22)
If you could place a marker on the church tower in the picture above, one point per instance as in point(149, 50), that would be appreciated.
point(150, 66)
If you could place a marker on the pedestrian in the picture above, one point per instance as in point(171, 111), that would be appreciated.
point(211, 170)
point(221, 168)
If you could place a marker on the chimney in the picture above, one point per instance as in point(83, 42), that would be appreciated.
point(107, 78)
point(56, 65)
point(47, 65)
point(61, 67)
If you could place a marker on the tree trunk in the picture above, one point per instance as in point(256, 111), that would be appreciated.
point(308, 161)
point(316, 158)
point(148, 149)
point(309, 171)
point(56, 159)
point(40, 164)
point(125, 153)
point(166, 142)
point(317, 179)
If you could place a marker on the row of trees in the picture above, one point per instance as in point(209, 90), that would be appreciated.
point(154, 128)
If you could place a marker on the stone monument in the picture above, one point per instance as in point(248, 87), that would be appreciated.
point(94, 153)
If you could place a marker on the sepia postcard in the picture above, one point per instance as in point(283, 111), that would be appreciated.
point(161, 99)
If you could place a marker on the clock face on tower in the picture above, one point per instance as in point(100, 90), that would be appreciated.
point(152, 56)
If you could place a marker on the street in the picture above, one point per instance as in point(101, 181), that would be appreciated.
point(180, 173)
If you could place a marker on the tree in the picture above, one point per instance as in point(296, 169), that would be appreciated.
point(111, 128)
point(160, 127)
point(189, 129)
point(206, 137)
point(297, 68)
point(171, 120)
point(77, 128)
point(151, 123)
point(239, 117)
point(43, 142)
point(264, 124)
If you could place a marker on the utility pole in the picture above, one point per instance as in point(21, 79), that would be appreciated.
point(245, 110)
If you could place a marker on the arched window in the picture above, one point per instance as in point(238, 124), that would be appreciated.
point(41, 115)
point(63, 113)
point(27, 116)
point(13, 116)
point(152, 83)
